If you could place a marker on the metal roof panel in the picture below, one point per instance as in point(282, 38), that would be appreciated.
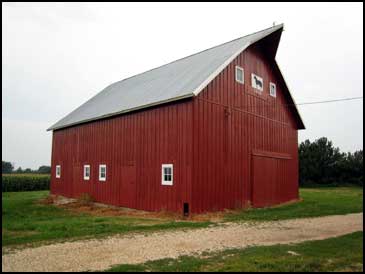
point(179, 79)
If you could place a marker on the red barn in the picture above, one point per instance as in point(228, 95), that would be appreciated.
point(214, 130)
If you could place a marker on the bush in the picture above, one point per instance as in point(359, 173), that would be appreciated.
point(24, 182)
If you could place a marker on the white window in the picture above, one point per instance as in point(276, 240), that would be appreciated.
point(167, 174)
point(272, 89)
point(240, 75)
point(58, 171)
point(102, 172)
point(257, 82)
point(86, 172)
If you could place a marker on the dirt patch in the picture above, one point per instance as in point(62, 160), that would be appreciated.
point(55, 200)
point(49, 200)
point(85, 204)
point(133, 249)
point(96, 209)
point(288, 203)
point(214, 217)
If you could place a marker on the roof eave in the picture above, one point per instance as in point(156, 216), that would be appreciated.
point(300, 120)
point(54, 127)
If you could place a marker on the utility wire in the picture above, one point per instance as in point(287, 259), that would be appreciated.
point(305, 103)
point(329, 101)
point(264, 104)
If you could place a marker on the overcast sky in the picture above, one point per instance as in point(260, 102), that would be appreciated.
point(56, 56)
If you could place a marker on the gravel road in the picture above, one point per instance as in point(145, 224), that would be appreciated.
point(132, 249)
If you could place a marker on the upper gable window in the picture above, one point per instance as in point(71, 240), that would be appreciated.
point(272, 89)
point(240, 75)
point(257, 82)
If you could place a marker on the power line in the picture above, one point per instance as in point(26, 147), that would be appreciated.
point(263, 104)
point(329, 101)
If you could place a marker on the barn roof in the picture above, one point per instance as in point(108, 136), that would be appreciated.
point(174, 81)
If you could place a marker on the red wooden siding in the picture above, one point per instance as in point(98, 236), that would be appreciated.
point(133, 147)
point(231, 120)
point(230, 147)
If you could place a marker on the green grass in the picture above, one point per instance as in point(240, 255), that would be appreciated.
point(315, 202)
point(344, 253)
point(27, 222)
point(24, 221)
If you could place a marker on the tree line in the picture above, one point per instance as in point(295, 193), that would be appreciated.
point(320, 162)
point(8, 167)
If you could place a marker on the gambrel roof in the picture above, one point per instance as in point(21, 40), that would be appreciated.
point(174, 81)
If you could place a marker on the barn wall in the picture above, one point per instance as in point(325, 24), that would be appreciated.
point(133, 146)
point(211, 140)
point(230, 121)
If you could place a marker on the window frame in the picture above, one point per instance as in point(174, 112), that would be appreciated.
point(272, 85)
point(163, 181)
point(58, 174)
point(255, 87)
point(237, 68)
point(102, 179)
point(87, 178)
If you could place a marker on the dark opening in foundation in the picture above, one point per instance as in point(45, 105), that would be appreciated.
point(186, 209)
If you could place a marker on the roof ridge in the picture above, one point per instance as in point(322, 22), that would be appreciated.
point(276, 26)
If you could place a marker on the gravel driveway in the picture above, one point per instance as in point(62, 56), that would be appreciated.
point(132, 249)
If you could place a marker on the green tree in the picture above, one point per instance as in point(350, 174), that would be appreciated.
point(318, 161)
point(44, 169)
point(7, 167)
point(27, 170)
point(351, 168)
point(322, 163)
point(19, 170)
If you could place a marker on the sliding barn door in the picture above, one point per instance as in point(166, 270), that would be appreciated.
point(269, 179)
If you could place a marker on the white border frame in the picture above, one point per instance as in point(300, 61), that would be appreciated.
point(167, 183)
point(58, 175)
point(255, 87)
point(100, 178)
point(243, 74)
point(272, 85)
point(87, 178)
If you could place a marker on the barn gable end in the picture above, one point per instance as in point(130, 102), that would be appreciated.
point(233, 123)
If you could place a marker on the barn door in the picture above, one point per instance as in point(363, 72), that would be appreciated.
point(267, 179)
point(263, 181)
point(128, 186)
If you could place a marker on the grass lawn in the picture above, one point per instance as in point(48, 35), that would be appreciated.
point(336, 254)
point(315, 202)
point(24, 221)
